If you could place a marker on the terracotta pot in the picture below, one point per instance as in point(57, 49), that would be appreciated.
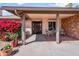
point(2, 53)
point(14, 43)
point(6, 52)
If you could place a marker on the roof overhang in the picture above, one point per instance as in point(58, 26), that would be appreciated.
point(42, 10)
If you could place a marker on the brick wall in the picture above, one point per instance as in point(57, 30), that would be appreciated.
point(71, 26)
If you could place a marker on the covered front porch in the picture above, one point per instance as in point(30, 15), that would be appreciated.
point(23, 13)
point(44, 38)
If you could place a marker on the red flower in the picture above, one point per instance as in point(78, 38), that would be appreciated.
point(9, 25)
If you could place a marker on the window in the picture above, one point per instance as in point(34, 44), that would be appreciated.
point(51, 26)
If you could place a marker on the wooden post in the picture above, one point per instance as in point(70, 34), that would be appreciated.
point(23, 30)
point(57, 28)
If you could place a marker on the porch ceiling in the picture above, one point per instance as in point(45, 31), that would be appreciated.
point(49, 16)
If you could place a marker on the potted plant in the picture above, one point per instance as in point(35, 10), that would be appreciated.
point(6, 50)
point(14, 41)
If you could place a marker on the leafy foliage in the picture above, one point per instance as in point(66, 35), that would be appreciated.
point(12, 36)
point(8, 46)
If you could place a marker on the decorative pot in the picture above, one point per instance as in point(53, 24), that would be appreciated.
point(5, 52)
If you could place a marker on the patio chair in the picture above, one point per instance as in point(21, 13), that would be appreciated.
point(62, 32)
point(50, 33)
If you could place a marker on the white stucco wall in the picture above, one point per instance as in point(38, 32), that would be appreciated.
point(28, 26)
point(44, 25)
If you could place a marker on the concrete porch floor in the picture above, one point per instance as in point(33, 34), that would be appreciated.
point(48, 48)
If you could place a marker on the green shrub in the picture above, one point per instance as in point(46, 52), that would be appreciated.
point(8, 46)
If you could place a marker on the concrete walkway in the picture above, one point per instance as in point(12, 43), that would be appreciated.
point(48, 48)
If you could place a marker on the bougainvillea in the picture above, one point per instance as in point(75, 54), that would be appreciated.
point(9, 26)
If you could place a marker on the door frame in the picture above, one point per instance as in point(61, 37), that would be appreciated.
point(32, 26)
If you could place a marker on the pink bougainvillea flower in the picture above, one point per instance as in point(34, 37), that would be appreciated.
point(9, 25)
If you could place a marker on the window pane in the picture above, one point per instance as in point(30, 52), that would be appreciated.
point(52, 26)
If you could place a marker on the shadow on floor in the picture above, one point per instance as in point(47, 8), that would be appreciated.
point(68, 38)
point(42, 38)
point(14, 52)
